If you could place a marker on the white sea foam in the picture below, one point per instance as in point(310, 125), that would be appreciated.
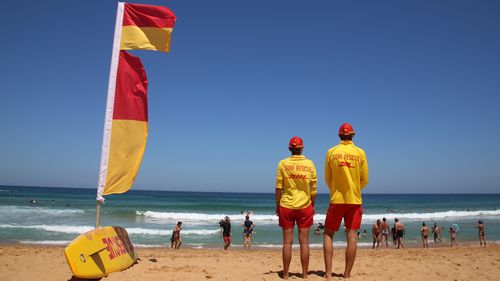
point(200, 218)
point(146, 231)
point(53, 228)
point(447, 215)
point(45, 242)
point(196, 217)
point(35, 210)
point(132, 230)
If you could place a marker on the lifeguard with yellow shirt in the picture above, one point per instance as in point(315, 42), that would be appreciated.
point(346, 173)
point(295, 195)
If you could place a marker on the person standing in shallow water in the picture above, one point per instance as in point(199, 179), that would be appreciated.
point(400, 232)
point(386, 231)
point(424, 232)
point(295, 195)
point(225, 224)
point(436, 231)
point(376, 228)
point(480, 229)
point(248, 226)
point(176, 236)
point(346, 173)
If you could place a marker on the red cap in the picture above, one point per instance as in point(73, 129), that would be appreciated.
point(296, 142)
point(346, 129)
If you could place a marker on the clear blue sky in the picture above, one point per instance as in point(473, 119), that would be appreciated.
point(418, 80)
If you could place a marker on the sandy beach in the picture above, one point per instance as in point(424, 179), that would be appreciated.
point(464, 263)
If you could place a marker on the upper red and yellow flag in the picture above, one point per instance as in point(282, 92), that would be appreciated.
point(146, 27)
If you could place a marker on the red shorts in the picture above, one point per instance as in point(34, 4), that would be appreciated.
point(227, 239)
point(303, 217)
point(350, 212)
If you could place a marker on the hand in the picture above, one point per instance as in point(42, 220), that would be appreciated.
point(277, 211)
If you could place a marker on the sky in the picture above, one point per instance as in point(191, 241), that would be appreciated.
point(418, 80)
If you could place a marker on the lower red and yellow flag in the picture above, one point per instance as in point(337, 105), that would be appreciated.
point(129, 128)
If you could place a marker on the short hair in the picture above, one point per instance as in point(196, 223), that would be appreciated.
point(346, 137)
point(295, 150)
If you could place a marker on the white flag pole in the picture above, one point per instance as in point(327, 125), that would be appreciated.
point(108, 119)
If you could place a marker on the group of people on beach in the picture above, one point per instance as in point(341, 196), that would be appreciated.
point(381, 233)
point(248, 231)
point(225, 227)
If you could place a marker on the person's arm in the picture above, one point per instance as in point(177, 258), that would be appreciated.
point(313, 183)
point(278, 198)
point(364, 171)
point(279, 187)
point(328, 172)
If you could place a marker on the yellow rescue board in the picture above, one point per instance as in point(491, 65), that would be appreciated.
point(99, 252)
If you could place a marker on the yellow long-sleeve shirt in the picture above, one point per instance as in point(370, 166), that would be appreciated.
point(346, 173)
point(296, 176)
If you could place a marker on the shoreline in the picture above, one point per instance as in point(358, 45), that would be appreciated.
point(272, 247)
point(27, 262)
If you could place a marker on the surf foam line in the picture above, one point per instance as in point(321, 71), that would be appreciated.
point(45, 242)
point(200, 218)
point(132, 230)
point(436, 215)
point(34, 210)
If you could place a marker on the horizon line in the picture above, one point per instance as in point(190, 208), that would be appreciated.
point(319, 193)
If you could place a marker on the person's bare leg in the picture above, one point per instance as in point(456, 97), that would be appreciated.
point(350, 251)
point(287, 250)
point(328, 252)
point(304, 250)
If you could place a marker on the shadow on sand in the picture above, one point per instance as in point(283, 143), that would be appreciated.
point(299, 275)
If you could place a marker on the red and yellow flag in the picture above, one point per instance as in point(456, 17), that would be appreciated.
point(146, 27)
point(137, 27)
point(129, 125)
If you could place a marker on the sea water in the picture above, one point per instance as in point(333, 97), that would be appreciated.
point(58, 215)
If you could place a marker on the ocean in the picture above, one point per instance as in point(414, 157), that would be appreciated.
point(61, 214)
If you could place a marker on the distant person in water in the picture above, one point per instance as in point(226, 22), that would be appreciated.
point(400, 232)
point(295, 195)
point(346, 174)
point(248, 226)
point(424, 233)
point(319, 227)
point(436, 231)
point(376, 228)
point(453, 237)
point(385, 232)
point(480, 229)
point(176, 240)
point(225, 224)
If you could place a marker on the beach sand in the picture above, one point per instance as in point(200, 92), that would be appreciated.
point(20, 262)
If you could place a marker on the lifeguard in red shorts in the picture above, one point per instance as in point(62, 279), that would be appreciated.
point(346, 173)
point(295, 195)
